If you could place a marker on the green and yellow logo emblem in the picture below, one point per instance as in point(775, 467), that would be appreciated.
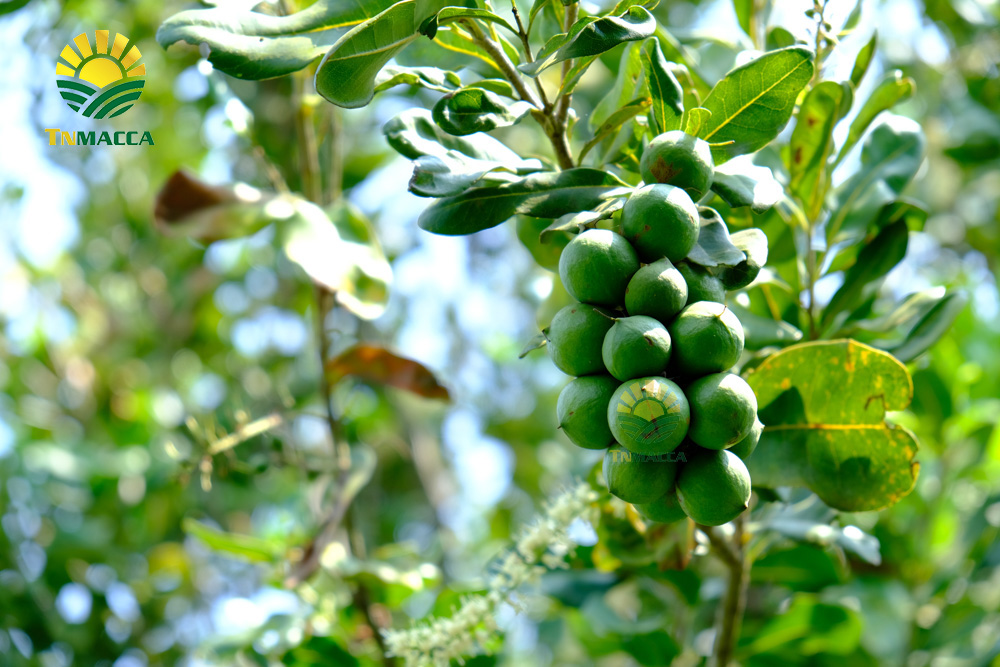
point(648, 411)
point(102, 79)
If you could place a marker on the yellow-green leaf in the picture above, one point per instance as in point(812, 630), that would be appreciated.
point(824, 406)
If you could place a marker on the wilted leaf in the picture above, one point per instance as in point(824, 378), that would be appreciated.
point(371, 363)
point(187, 207)
point(823, 405)
point(752, 104)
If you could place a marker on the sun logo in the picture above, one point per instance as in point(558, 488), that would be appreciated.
point(99, 81)
point(649, 411)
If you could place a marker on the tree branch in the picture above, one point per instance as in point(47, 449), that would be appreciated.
point(734, 602)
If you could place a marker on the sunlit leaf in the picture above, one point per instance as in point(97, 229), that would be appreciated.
point(714, 247)
point(864, 59)
point(471, 110)
point(245, 547)
point(891, 90)
point(666, 93)
point(752, 104)
point(742, 183)
point(590, 37)
point(812, 143)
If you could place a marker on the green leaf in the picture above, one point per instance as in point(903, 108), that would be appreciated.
point(471, 110)
point(875, 260)
point(628, 87)
point(437, 177)
point(753, 243)
point(448, 15)
point(740, 183)
point(577, 222)
point(593, 37)
point(930, 328)
point(812, 143)
point(891, 90)
point(864, 59)
point(252, 45)
point(714, 247)
point(809, 521)
point(824, 404)
point(694, 120)
point(890, 157)
point(779, 38)
point(544, 195)
point(744, 13)
point(664, 89)
point(614, 123)
point(447, 165)
point(764, 332)
point(809, 628)
point(431, 78)
point(9, 6)
point(752, 104)
point(908, 311)
point(346, 75)
point(413, 133)
point(537, 342)
point(245, 547)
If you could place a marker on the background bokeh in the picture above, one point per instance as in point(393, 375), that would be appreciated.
point(123, 353)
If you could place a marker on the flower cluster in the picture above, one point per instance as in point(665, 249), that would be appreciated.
point(543, 545)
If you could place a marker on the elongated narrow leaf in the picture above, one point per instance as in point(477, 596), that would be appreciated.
point(875, 260)
point(744, 13)
point(544, 195)
point(244, 547)
point(536, 343)
point(740, 183)
point(9, 6)
point(252, 45)
point(752, 104)
point(346, 75)
point(666, 93)
point(372, 363)
point(812, 143)
point(890, 158)
point(595, 37)
point(864, 59)
point(714, 247)
point(893, 89)
point(930, 328)
point(471, 110)
point(907, 312)
point(823, 405)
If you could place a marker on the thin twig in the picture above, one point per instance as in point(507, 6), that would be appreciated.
point(523, 34)
point(245, 432)
point(734, 555)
